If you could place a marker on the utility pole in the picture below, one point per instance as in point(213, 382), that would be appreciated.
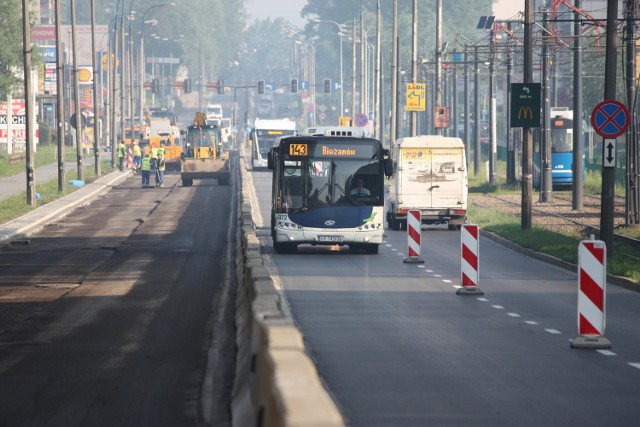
point(578, 148)
point(76, 94)
point(632, 194)
point(608, 174)
point(511, 149)
point(467, 112)
point(438, 58)
point(354, 68)
point(476, 113)
point(454, 103)
point(60, 119)
point(96, 149)
point(379, 120)
point(493, 146)
point(546, 184)
point(394, 77)
point(527, 140)
point(413, 116)
point(28, 90)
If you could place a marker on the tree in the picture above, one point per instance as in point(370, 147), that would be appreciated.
point(11, 61)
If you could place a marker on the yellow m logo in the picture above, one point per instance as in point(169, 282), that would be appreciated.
point(525, 113)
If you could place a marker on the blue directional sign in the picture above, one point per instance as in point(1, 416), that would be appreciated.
point(610, 118)
point(304, 85)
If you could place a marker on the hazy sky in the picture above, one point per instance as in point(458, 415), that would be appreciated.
point(290, 9)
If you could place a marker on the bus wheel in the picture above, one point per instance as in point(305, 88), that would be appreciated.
point(372, 248)
point(285, 247)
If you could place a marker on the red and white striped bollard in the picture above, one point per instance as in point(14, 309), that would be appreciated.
point(469, 260)
point(592, 281)
point(414, 229)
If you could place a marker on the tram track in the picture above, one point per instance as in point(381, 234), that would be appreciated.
point(558, 215)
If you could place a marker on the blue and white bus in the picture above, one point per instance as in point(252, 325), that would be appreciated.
point(328, 190)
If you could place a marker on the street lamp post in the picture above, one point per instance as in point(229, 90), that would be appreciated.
point(141, 63)
point(341, 77)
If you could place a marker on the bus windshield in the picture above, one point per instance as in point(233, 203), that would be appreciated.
point(266, 139)
point(313, 183)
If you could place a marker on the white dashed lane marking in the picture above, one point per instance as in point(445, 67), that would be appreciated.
point(515, 315)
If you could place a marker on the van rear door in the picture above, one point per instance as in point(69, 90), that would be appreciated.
point(447, 178)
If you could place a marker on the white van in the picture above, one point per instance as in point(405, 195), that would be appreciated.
point(429, 175)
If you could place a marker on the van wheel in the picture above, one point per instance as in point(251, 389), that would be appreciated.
point(394, 224)
point(372, 248)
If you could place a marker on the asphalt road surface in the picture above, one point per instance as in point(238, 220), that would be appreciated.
point(112, 315)
point(396, 346)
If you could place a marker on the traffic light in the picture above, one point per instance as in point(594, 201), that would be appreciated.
point(294, 85)
point(186, 85)
point(221, 87)
point(155, 86)
point(260, 87)
point(327, 85)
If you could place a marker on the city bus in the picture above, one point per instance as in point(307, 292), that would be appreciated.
point(263, 137)
point(328, 190)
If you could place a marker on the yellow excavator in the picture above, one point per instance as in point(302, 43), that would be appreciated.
point(202, 154)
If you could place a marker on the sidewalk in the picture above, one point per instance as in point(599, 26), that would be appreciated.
point(16, 184)
point(57, 209)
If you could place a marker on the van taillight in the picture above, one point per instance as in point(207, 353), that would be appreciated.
point(458, 211)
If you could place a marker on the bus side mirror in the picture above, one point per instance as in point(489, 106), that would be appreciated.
point(388, 164)
point(270, 160)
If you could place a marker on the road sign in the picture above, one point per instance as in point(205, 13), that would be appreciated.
point(610, 118)
point(73, 121)
point(525, 105)
point(441, 118)
point(609, 153)
point(361, 120)
point(416, 96)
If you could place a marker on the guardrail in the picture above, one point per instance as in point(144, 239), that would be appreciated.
point(276, 383)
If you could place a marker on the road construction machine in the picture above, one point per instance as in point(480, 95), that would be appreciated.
point(202, 154)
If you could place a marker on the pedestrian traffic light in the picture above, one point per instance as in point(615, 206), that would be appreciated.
point(327, 85)
point(294, 85)
point(221, 87)
point(155, 86)
point(186, 85)
point(260, 87)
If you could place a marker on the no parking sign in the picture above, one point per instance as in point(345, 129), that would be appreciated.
point(610, 119)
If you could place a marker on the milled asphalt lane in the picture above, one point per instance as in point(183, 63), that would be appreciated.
point(35, 220)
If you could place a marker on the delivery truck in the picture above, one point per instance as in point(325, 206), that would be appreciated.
point(429, 175)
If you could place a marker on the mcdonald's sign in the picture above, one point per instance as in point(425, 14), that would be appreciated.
point(525, 105)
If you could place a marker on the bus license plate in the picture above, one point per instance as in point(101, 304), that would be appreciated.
point(332, 239)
